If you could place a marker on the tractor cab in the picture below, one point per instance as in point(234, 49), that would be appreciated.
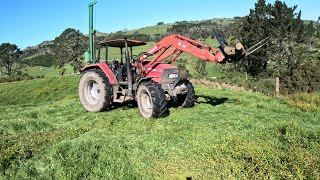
point(117, 43)
point(118, 63)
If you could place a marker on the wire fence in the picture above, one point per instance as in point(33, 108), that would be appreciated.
point(276, 86)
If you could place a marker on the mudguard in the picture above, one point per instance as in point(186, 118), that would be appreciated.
point(107, 71)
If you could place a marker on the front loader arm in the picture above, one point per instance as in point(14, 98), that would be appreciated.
point(177, 44)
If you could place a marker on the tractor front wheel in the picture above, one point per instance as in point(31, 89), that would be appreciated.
point(186, 100)
point(151, 100)
point(95, 91)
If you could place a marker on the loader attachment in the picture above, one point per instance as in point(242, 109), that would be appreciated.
point(237, 52)
point(257, 46)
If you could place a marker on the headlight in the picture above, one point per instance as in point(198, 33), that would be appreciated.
point(172, 76)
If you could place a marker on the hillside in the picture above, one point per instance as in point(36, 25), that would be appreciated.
point(39, 56)
point(43, 47)
point(39, 59)
point(228, 134)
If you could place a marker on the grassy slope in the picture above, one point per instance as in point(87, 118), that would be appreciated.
point(228, 134)
point(46, 71)
point(159, 29)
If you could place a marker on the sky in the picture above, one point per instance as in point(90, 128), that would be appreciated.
point(30, 22)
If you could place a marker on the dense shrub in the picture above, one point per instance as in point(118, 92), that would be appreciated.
point(196, 30)
point(45, 60)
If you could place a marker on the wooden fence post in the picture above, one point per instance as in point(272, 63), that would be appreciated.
point(277, 90)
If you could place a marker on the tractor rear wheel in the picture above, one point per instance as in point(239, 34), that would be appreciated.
point(95, 91)
point(151, 100)
point(186, 100)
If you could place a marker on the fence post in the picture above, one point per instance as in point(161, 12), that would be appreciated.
point(277, 90)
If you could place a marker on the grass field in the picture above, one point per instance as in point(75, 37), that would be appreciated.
point(45, 133)
point(158, 29)
point(46, 71)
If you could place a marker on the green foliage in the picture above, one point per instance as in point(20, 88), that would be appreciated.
point(44, 60)
point(201, 68)
point(62, 71)
point(46, 47)
point(284, 28)
point(303, 72)
point(135, 35)
point(160, 23)
point(20, 76)
point(318, 28)
point(69, 47)
point(196, 30)
point(287, 55)
point(227, 134)
point(9, 59)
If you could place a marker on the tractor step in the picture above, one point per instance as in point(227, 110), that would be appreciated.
point(122, 99)
point(123, 83)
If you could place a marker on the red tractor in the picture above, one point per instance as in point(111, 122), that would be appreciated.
point(148, 78)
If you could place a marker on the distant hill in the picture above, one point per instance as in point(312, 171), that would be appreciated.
point(192, 29)
point(45, 47)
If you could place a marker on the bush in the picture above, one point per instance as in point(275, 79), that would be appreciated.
point(45, 60)
point(201, 68)
point(19, 77)
point(160, 23)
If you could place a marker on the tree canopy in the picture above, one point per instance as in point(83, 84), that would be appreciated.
point(288, 47)
point(69, 48)
point(9, 56)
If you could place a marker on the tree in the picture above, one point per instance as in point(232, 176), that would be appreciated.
point(9, 57)
point(69, 48)
point(135, 34)
point(201, 68)
point(160, 23)
point(285, 29)
point(318, 28)
point(288, 54)
point(308, 34)
point(250, 30)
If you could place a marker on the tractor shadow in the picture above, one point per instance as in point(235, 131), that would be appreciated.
point(213, 101)
point(125, 105)
point(201, 99)
point(130, 105)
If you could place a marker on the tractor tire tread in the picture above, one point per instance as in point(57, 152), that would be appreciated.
point(108, 96)
point(190, 97)
point(160, 105)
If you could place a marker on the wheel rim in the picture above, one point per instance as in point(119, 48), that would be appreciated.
point(146, 103)
point(93, 92)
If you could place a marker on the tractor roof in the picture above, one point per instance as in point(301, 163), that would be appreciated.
point(120, 43)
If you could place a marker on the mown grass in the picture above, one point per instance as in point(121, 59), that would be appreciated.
point(227, 134)
point(46, 71)
point(38, 90)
